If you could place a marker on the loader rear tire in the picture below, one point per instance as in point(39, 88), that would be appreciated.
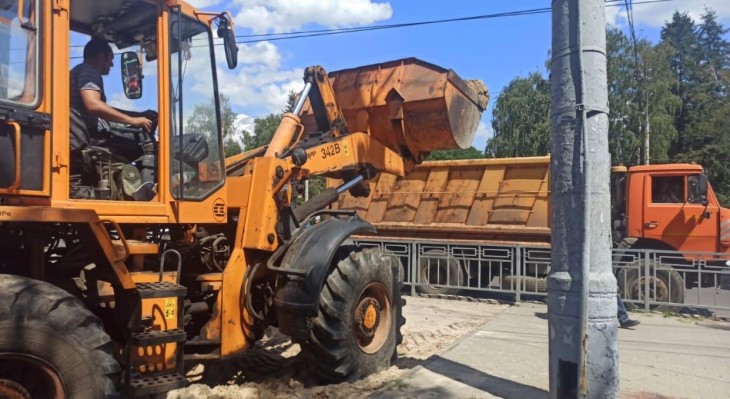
point(51, 345)
point(360, 315)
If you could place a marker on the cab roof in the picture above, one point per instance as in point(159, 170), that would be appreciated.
point(123, 22)
point(667, 167)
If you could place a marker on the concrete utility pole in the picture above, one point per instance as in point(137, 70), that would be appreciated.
point(647, 130)
point(581, 287)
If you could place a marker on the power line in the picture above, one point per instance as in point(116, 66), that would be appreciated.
point(329, 32)
point(270, 37)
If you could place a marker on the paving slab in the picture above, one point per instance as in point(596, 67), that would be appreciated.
point(507, 357)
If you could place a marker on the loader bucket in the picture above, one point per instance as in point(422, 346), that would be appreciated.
point(409, 105)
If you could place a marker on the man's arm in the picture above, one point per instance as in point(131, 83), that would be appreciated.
point(95, 106)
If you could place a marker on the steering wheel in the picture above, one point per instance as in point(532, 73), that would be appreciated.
point(154, 117)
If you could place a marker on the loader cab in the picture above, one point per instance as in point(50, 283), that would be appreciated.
point(164, 60)
point(183, 159)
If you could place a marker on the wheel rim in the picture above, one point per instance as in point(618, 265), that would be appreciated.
point(658, 289)
point(372, 318)
point(25, 377)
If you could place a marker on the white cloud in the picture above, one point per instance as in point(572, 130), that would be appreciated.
point(484, 133)
point(657, 14)
point(118, 100)
point(262, 16)
point(259, 83)
point(243, 122)
point(614, 16)
point(203, 3)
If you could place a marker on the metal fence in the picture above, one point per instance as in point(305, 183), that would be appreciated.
point(693, 281)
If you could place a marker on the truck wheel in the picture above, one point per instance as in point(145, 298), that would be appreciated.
point(529, 284)
point(434, 269)
point(665, 283)
point(358, 326)
point(51, 345)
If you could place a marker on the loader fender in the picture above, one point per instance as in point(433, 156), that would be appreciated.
point(304, 268)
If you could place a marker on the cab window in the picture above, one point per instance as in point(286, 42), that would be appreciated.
point(693, 193)
point(196, 161)
point(667, 189)
point(19, 52)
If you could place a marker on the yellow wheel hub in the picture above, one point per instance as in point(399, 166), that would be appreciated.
point(370, 317)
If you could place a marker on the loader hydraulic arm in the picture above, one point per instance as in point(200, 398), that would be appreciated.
point(353, 124)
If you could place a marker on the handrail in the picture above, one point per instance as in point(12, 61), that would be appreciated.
point(16, 130)
point(123, 240)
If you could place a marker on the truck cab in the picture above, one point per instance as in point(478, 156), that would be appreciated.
point(671, 207)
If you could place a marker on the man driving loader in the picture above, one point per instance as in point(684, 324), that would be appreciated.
point(90, 114)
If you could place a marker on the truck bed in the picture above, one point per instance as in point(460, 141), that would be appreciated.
point(483, 199)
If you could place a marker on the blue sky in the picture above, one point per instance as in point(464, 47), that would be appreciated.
point(493, 50)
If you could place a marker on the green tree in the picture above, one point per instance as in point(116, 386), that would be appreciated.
point(521, 118)
point(291, 101)
point(231, 147)
point(466, 153)
point(711, 149)
point(263, 131)
point(203, 118)
point(715, 54)
point(639, 81)
point(624, 133)
point(681, 35)
point(707, 137)
point(264, 128)
point(663, 105)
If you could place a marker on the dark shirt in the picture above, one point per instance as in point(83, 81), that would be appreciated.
point(85, 77)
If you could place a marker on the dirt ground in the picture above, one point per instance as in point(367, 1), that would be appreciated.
point(272, 368)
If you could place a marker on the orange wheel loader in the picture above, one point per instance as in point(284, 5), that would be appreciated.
point(119, 267)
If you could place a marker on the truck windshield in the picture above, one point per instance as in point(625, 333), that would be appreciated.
point(195, 145)
point(19, 52)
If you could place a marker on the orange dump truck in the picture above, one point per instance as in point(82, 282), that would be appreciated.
point(507, 201)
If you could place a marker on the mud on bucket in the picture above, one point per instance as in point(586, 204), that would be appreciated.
point(409, 105)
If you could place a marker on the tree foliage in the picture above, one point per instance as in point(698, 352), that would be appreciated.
point(203, 121)
point(521, 118)
point(203, 118)
point(678, 88)
point(231, 147)
point(264, 128)
point(263, 132)
point(466, 153)
point(639, 91)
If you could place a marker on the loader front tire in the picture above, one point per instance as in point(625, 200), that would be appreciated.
point(51, 345)
point(357, 329)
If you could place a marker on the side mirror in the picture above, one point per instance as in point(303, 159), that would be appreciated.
point(702, 184)
point(131, 75)
point(225, 31)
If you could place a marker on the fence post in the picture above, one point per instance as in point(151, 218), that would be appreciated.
point(647, 261)
point(518, 266)
point(413, 262)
